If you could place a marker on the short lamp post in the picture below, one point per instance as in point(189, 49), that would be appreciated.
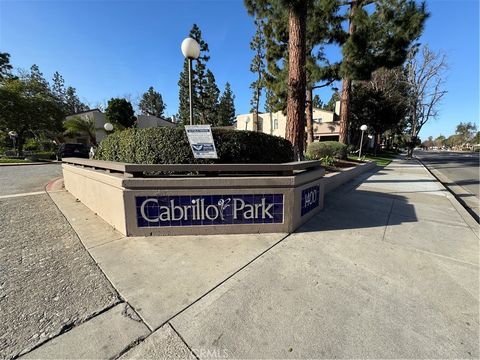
point(191, 50)
point(108, 127)
point(13, 135)
point(363, 128)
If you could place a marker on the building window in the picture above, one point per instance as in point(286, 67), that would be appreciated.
point(275, 124)
point(329, 138)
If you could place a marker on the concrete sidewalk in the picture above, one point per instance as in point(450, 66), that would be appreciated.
point(389, 269)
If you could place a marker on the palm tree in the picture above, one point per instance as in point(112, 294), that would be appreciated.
point(78, 125)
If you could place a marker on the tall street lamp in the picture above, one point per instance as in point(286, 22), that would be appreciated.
point(191, 50)
point(363, 128)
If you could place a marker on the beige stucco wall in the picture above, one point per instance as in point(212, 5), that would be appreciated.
point(100, 192)
point(112, 197)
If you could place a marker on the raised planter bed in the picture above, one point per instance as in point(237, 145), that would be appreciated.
point(198, 198)
point(332, 180)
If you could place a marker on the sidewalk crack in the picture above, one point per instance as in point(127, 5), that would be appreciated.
point(388, 220)
point(183, 340)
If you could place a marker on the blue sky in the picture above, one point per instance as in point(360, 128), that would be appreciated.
point(119, 48)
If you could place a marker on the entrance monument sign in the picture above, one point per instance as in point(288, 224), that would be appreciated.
point(218, 199)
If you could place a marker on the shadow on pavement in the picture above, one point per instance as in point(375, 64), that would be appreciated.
point(361, 209)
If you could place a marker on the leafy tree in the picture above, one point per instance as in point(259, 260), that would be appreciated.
point(226, 107)
point(476, 138)
point(5, 66)
point(440, 141)
point(258, 65)
point(78, 125)
point(152, 103)
point(375, 39)
point(454, 141)
point(425, 76)
point(120, 113)
point(428, 144)
point(466, 131)
point(381, 104)
point(199, 81)
point(26, 107)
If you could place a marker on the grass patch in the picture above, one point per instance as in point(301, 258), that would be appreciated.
point(382, 159)
point(13, 161)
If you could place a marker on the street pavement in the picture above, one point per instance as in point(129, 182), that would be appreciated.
point(460, 171)
point(389, 269)
point(27, 178)
point(48, 281)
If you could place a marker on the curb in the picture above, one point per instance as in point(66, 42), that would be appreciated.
point(31, 163)
point(470, 217)
point(54, 185)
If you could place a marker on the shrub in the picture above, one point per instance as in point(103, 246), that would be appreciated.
point(46, 155)
point(328, 161)
point(170, 146)
point(319, 150)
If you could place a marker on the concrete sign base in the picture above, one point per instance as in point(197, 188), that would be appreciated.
point(257, 202)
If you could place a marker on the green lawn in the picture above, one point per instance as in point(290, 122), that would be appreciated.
point(381, 159)
point(13, 161)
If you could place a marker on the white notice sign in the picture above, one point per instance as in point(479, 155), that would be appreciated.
point(201, 141)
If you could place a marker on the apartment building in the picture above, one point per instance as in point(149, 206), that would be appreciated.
point(325, 124)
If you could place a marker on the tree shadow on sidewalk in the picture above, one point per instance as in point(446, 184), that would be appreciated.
point(360, 209)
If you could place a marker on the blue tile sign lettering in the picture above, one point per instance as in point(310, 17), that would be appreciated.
point(310, 199)
point(181, 210)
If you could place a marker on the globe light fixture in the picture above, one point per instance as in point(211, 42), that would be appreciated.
point(13, 135)
point(247, 120)
point(363, 128)
point(191, 50)
point(108, 127)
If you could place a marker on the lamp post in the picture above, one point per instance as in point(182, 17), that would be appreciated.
point(13, 135)
point(191, 50)
point(108, 127)
point(363, 128)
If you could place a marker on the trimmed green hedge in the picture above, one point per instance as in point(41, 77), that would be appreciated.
point(319, 150)
point(166, 145)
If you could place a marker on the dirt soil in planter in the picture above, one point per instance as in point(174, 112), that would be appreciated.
point(342, 164)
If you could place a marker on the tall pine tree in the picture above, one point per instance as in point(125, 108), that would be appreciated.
point(226, 107)
point(152, 103)
point(296, 13)
point(375, 39)
point(208, 100)
point(257, 65)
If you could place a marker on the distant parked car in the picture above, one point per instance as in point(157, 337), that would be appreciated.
point(72, 150)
